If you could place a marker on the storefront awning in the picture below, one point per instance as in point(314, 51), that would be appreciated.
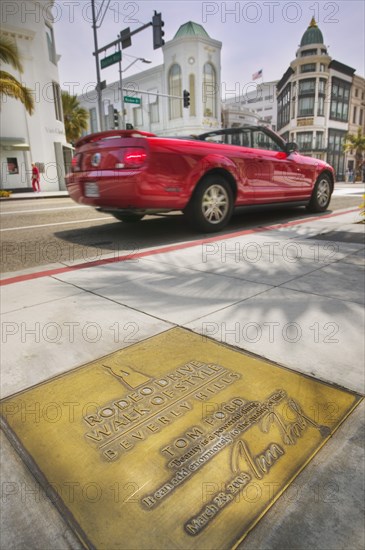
point(13, 143)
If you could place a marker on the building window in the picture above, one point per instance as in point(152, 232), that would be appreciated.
point(360, 117)
point(153, 105)
point(354, 116)
point(305, 141)
point(284, 107)
point(137, 117)
point(356, 92)
point(293, 99)
point(51, 44)
point(192, 110)
point(322, 67)
point(154, 111)
point(321, 96)
point(305, 53)
point(340, 100)
point(93, 120)
point(308, 68)
point(320, 110)
point(319, 140)
point(322, 86)
point(57, 101)
point(307, 89)
point(306, 106)
point(175, 88)
point(209, 91)
point(336, 156)
point(307, 86)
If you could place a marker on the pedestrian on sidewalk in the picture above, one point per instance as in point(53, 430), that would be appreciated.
point(35, 178)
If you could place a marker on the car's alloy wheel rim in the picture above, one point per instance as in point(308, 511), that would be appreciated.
point(323, 192)
point(215, 204)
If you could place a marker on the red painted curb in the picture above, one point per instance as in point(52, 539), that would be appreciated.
point(169, 248)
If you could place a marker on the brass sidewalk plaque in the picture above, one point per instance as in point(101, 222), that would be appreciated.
point(175, 442)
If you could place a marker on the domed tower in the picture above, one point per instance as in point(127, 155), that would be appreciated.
point(312, 35)
point(192, 62)
point(313, 100)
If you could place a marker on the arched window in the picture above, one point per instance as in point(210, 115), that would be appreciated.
point(209, 91)
point(192, 110)
point(175, 88)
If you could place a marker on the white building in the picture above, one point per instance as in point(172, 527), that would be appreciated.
point(38, 138)
point(236, 116)
point(314, 102)
point(257, 98)
point(191, 61)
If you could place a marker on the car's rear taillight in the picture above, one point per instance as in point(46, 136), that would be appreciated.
point(75, 163)
point(134, 157)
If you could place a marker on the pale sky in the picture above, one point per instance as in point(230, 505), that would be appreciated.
point(255, 35)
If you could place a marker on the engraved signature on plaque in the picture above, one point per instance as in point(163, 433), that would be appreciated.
point(226, 428)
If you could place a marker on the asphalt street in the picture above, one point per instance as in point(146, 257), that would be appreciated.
point(57, 230)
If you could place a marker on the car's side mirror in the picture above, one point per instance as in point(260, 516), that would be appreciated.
point(291, 146)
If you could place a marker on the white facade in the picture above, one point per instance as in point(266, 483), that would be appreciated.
point(40, 137)
point(192, 61)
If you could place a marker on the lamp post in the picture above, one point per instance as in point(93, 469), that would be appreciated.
point(121, 83)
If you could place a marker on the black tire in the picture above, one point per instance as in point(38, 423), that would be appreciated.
point(128, 218)
point(211, 206)
point(321, 195)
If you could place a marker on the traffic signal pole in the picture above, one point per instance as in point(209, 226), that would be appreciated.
point(146, 92)
point(123, 41)
point(98, 79)
point(115, 42)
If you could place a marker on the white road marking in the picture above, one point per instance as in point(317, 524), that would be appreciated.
point(347, 191)
point(44, 209)
point(54, 224)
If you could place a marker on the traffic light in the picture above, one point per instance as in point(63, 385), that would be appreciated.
point(158, 33)
point(116, 119)
point(125, 38)
point(186, 99)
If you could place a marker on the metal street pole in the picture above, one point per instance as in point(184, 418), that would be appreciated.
point(121, 90)
point(98, 80)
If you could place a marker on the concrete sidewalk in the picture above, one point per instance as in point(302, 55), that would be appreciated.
point(293, 294)
point(29, 194)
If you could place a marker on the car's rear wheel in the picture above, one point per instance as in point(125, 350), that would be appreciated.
point(321, 194)
point(211, 206)
point(128, 218)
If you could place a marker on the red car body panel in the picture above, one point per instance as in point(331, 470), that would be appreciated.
point(167, 171)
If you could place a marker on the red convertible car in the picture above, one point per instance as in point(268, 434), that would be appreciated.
point(130, 173)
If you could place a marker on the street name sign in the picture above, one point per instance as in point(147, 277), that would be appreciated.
point(129, 99)
point(111, 59)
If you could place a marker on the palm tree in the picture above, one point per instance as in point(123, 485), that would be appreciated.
point(75, 117)
point(356, 142)
point(9, 85)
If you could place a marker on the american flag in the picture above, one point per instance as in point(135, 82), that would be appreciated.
point(257, 75)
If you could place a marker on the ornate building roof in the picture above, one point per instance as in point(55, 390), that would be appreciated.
point(191, 29)
point(312, 35)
